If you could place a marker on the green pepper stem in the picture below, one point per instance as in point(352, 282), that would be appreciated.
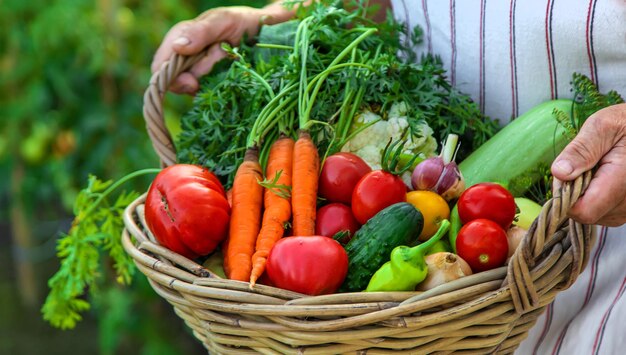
point(422, 248)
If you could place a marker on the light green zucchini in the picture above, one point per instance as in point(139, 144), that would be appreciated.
point(515, 155)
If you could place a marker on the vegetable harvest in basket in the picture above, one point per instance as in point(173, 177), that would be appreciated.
point(322, 137)
point(346, 90)
point(374, 117)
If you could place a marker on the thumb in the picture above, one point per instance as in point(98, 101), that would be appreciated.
point(593, 141)
point(195, 36)
point(215, 26)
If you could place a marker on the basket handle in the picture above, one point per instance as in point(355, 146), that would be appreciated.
point(153, 104)
point(540, 239)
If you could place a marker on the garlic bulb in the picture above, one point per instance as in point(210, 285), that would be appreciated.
point(443, 267)
point(440, 174)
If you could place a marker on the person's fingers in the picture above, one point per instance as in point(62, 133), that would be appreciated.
point(185, 83)
point(205, 65)
point(199, 34)
point(606, 191)
point(590, 144)
point(615, 217)
point(165, 50)
point(601, 143)
point(227, 24)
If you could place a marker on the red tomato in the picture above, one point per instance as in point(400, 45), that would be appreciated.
point(187, 211)
point(375, 191)
point(487, 200)
point(339, 175)
point(334, 218)
point(313, 265)
point(483, 244)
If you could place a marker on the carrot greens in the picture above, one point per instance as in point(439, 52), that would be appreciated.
point(318, 72)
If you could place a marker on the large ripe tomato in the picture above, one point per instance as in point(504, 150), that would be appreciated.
point(313, 265)
point(339, 175)
point(487, 200)
point(334, 218)
point(483, 244)
point(375, 191)
point(187, 211)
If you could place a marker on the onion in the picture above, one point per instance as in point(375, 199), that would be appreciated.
point(443, 267)
point(514, 235)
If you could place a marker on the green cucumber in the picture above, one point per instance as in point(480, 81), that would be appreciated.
point(515, 155)
point(369, 249)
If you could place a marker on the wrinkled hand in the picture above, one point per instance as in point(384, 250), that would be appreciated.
point(602, 142)
point(209, 30)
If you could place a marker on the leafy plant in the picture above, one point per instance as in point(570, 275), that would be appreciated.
point(341, 63)
point(97, 227)
point(587, 100)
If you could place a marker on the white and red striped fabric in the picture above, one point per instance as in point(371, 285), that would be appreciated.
point(510, 56)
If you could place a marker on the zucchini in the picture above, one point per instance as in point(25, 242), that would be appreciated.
point(516, 154)
point(369, 249)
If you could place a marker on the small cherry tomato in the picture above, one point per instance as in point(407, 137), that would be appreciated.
point(339, 176)
point(487, 200)
point(334, 218)
point(483, 244)
point(375, 191)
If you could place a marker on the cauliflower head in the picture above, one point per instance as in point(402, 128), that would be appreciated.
point(371, 141)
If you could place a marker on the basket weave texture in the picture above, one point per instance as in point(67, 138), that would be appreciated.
point(488, 312)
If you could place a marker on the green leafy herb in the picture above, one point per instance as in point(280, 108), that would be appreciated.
point(587, 100)
point(96, 228)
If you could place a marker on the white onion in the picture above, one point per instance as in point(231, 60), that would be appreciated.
point(443, 267)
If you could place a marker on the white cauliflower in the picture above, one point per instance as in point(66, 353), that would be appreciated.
point(370, 142)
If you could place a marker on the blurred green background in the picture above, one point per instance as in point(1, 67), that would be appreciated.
point(72, 76)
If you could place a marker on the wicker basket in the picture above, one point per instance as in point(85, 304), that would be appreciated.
point(484, 313)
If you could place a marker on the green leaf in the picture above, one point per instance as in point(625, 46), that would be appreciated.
point(97, 227)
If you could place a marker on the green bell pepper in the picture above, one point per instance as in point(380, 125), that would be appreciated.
point(406, 267)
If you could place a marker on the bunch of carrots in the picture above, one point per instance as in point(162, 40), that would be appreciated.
point(253, 231)
point(260, 212)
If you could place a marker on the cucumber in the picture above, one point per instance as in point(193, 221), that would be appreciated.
point(371, 246)
point(514, 155)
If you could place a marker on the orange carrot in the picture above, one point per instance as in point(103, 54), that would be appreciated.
point(306, 165)
point(277, 208)
point(245, 218)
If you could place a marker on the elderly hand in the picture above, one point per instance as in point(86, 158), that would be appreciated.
point(602, 142)
point(209, 30)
